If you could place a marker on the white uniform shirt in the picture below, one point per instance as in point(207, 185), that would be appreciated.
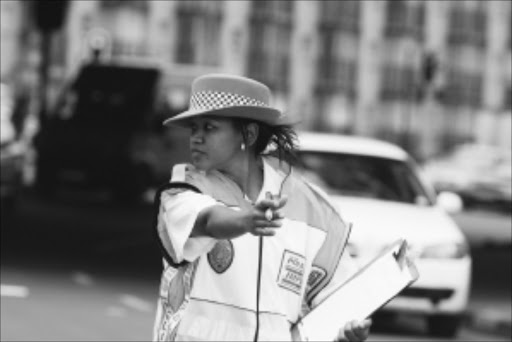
point(248, 285)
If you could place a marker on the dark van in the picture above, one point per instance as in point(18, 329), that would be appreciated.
point(106, 135)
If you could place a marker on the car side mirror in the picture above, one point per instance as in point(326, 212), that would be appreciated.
point(450, 201)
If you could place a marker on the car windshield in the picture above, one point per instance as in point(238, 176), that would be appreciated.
point(364, 176)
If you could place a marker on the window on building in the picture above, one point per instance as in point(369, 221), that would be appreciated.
point(463, 89)
point(398, 83)
point(467, 26)
point(198, 32)
point(337, 76)
point(509, 31)
point(339, 25)
point(405, 19)
point(127, 22)
point(270, 42)
point(507, 98)
point(342, 15)
point(138, 5)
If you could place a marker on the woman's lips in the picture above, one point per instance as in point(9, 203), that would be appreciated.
point(195, 152)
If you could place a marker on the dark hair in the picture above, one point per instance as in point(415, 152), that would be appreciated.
point(279, 141)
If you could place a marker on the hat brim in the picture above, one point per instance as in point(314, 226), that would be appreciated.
point(267, 115)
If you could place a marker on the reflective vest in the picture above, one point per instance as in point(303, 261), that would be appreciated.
point(251, 288)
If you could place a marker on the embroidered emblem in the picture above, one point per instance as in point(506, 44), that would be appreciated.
point(316, 276)
point(221, 256)
point(291, 273)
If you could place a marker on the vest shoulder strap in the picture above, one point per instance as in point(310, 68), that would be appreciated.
point(158, 234)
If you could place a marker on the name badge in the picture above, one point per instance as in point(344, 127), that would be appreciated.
point(291, 272)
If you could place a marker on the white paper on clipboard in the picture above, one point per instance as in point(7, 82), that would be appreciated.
point(367, 290)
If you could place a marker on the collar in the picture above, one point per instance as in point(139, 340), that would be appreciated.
point(272, 179)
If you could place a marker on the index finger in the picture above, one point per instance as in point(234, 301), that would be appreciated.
point(275, 198)
point(273, 202)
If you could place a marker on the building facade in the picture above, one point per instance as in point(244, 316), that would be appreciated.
point(424, 74)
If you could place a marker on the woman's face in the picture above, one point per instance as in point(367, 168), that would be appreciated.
point(214, 143)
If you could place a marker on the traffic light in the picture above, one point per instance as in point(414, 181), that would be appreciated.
point(429, 67)
point(49, 14)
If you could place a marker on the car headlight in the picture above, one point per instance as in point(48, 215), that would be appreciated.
point(445, 251)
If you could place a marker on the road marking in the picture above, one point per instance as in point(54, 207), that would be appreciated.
point(13, 291)
point(136, 303)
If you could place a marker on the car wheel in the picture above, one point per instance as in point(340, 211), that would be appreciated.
point(443, 325)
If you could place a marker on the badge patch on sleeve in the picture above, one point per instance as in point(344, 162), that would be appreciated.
point(291, 273)
point(221, 256)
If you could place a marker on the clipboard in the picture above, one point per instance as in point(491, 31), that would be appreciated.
point(369, 289)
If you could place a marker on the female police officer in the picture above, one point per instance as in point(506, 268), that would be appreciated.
point(249, 246)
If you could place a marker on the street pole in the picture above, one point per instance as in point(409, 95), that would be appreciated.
point(49, 16)
point(45, 49)
point(410, 62)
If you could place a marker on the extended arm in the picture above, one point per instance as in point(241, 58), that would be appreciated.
point(221, 222)
point(190, 222)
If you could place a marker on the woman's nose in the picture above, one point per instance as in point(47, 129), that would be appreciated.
point(197, 136)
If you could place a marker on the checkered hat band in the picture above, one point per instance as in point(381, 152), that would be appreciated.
point(206, 100)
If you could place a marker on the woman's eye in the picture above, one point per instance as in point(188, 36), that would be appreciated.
point(208, 127)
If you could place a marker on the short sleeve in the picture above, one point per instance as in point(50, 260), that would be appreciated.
point(177, 216)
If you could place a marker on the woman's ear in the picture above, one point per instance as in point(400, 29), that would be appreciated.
point(252, 131)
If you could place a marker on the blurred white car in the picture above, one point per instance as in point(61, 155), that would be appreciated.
point(377, 186)
point(480, 174)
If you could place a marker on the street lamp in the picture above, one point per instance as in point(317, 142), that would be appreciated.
point(49, 16)
point(429, 67)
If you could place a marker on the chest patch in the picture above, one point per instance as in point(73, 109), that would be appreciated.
point(291, 272)
point(221, 256)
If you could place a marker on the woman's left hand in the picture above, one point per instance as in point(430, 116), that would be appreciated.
point(355, 331)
